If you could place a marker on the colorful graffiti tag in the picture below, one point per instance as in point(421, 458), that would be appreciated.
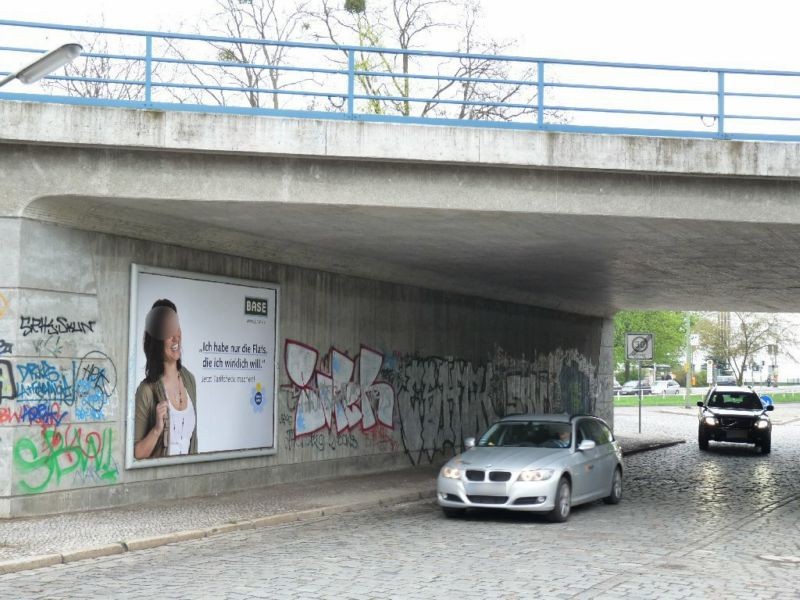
point(86, 453)
point(430, 403)
point(341, 394)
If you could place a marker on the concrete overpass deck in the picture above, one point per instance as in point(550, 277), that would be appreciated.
point(582, 223)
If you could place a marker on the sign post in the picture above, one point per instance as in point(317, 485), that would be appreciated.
point(639, 347)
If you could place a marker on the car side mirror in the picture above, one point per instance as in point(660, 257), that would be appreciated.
point(700, 404)
point(770, 407)
point(469, 443)
point(586, 445)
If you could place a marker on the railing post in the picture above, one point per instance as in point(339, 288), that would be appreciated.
point(540, 94)
point(351, 81)
point(148, 71)
point(721, 104)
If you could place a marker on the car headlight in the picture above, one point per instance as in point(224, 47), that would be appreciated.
point(451, 472)
point(710, 420)
point(535, 475)
point(762, 423)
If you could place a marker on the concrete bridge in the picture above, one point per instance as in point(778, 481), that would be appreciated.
point(482, 264)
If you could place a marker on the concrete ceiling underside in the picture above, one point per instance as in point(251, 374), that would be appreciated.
point(588, 264)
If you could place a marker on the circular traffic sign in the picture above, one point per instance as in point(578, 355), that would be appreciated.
point(640, 344)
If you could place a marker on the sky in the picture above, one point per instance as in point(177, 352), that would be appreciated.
point(700, 32)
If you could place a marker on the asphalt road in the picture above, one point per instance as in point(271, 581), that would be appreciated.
point(724, 523)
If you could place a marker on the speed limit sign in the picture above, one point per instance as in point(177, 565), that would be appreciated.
point(639, 346)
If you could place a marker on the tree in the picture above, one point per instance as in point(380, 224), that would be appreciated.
point(469, 87)
point(668, 329)
point(738, 337)
point(254, 66)
point(96, 74)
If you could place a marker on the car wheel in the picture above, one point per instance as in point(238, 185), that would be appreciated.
point(702, 439)
point(453, 513)
point(766, 445)
point(560, 512)
point(616, 488)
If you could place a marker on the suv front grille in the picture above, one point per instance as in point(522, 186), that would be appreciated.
point(736, 422)
point(499, 476)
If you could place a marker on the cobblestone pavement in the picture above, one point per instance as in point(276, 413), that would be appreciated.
point(724, 523)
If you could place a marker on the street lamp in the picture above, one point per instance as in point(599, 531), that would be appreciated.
point(55, 59)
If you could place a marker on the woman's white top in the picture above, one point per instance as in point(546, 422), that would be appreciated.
point(181, 428)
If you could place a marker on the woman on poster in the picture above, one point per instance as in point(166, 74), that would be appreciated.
point(166, 414)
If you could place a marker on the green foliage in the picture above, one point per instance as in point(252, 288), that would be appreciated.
point(667, 327)
point(355, 6)
point(735, 341)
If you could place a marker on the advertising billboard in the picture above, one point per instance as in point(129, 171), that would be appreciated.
point(202, 367)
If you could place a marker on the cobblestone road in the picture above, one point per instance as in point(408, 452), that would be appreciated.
point(722, 524)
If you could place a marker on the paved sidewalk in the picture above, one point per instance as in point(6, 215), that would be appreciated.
point(41, 541)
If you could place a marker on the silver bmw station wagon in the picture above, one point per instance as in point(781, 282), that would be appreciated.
point(542, 463)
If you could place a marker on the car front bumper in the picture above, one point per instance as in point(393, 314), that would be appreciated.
point(533, 496)
point(737, 436)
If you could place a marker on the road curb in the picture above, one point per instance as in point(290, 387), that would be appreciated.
point(653, 446)
point(143, 543)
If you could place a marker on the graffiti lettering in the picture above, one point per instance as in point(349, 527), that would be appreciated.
point(87, 384)
point(446, 400)
point(46, 414)
point(339, 398)
point(320, 441)
point(86, 453)
point(8, 388)
point(6, 347)
point(53, 326)
point(50, 346)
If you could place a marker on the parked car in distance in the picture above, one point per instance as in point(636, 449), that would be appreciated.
point(631, 388)
point(726, 380)
point(617, 386)
point(734, 414)
point(537, 463)
point(669, 387)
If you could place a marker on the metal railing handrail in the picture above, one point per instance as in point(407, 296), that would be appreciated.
point(371, 93)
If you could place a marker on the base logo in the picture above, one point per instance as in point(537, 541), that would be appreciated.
point(257, 400)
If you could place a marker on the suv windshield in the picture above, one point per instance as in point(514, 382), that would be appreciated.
point(540, 434)
point(735, 401)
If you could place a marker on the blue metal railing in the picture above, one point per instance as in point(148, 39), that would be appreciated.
point(203, 73)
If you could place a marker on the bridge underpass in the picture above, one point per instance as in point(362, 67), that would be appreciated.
point(384, 236)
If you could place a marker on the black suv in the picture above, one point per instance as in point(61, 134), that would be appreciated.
point(734, 414)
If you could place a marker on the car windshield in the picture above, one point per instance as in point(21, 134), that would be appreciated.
point(541, 434)
point(735, 401)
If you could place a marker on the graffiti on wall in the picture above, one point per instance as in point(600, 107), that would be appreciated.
point(53, 325)
point(87, 384)
point(6, 347)
point(426, 404)
point(337, 393)
point(8, 388)
point(85, 453)
point(444, 400)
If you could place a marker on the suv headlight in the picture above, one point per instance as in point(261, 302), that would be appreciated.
point(451, 472)
point(762, 423)
point(535, 475)
point(710, 420)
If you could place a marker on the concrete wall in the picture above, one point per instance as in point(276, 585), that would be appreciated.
point(455, 363)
